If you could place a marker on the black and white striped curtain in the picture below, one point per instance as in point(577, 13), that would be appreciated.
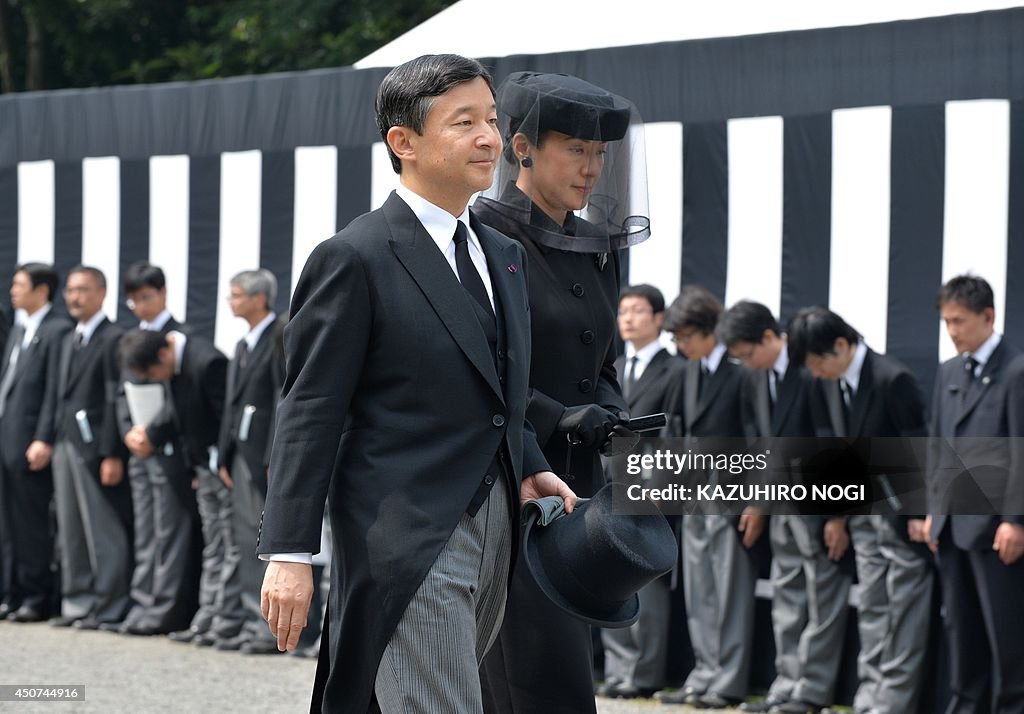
point(854, 167)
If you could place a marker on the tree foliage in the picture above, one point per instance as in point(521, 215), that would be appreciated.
point(52, 44)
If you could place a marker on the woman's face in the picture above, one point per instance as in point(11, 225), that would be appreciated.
point(564, 172)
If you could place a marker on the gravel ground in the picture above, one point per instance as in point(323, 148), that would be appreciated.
point(153, 674)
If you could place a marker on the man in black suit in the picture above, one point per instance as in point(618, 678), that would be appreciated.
point(196, 373)
point(92, 497)
point(255, 376)
point(868, 395)
point(719, 572)
point(28, 398)
point(405, 397)
point(810, 590)
point(635, 656)
point(166, 567)
point(976, 501)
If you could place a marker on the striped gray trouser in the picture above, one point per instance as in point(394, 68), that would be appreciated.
point(431, 663)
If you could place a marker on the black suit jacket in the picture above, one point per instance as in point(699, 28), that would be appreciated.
point(718, 411)
point(656, 386)
point(982, 477)
point(197, 403)
point(256, 386)
point(31, 407)
point(88, 381)
point(392, 402)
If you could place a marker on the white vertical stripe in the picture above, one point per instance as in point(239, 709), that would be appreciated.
point(755, 211)
point(383, 179)
point(658, 260)
point(859, 264)
point(35, 211)
point(316, 202)
point(168, 226)
point(241, 175)
point(101, 223)
point(977, 198)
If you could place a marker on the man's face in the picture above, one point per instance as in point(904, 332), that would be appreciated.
point(637, 322)
point(758, 355)
point(164, 370)
point(966, 328)
point(24, 296)
point(693, 343)
point(831, 365)
point(84, 297)
point(458, 150)
point(147, 302)
point(244, 305)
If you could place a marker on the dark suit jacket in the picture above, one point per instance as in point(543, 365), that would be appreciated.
point(30, 411)
point(718, 411)
point(982, 477)
point(88, 381)
point(888, 403)
point(656, 386)
point(255, 385)
point(197, 392)
point(393, 403)
point(124, 418)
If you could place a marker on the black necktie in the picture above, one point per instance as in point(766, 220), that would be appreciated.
point(705, 375)
point(242, 353)
point(79, 341)
point(627, 388)
point(468, 274)
point(970, 367)
point(847, 394)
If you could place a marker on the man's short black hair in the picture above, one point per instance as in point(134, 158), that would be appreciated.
point(40, 274)
point(406, 94)
point(143, 275)
point(746, 321)
point(696, 308)
point(140, 349)
point(96, 273)
point(972, 292)
point(815, 330)
point(649, 293)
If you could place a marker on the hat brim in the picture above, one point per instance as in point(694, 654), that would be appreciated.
point(624, 616)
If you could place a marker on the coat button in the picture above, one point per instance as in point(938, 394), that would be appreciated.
point(577, 290)
point(498, 420)
point(488, 479)
point(501, 354)
point(585, 385)
point(587, 336)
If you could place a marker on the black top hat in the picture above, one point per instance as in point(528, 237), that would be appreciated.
point(592, 562)
point(561, 102)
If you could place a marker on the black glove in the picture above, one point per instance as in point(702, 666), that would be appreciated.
point(588, 424)
point(620, 441)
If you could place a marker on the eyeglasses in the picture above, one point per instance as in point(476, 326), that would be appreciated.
point(684, 336)
point(747, 355)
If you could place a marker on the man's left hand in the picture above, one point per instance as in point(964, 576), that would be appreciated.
point(38, 455)
point(546, 483)
point(138, 442)
point(1009, 542)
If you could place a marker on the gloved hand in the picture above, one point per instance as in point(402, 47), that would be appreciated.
point(620, 440)
point(587, 424)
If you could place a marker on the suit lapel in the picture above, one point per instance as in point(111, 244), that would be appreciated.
point(653, 371)
point(865, 393)
point(418, 253)
point(690, 395)
point(73, 367)
point(982, 383)
point(713, 387)
point(241, 376)
point(834, 401)
point(785, 393)
point(762, 404)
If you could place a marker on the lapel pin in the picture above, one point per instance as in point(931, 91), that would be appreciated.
point(986, 380)
point(513, 268)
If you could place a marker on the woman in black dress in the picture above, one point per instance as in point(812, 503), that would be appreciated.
point(570, 192)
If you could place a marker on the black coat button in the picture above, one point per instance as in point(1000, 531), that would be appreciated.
point(501, 354)
point(488, 479)
point(585, 385)
point(577, 290)
point(498, 420)
point(587, 336)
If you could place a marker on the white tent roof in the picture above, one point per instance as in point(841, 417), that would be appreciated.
point(485, 28)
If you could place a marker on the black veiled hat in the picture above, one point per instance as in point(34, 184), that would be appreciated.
point(567, 104)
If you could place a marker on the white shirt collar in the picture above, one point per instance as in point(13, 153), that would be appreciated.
point(179, 349)
point(32, 322)
point(253, 336)
point(645, 354)
point(157, 323)
point(87, 328)
point(984, 353)
point(714, 359)
point(852, 373)
point(782, 361)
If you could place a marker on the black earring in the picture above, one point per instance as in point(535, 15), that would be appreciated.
point(527, 162)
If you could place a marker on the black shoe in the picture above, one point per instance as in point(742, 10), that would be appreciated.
point(230, 644)
point(628, 691)
point(714, 700)
point(88, 623)
point(762, 706)
point(795, 706)
point(63, 621)
point(686, 695)
point(27, 613)
point(138, 630)
point(6, 610)
point(184, 635)
point(207, 639)
point(605, 690)
point(259, 647)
